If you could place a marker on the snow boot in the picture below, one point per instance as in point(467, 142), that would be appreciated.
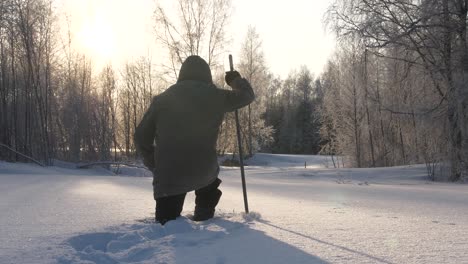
point(205, 204)
point(169, 208)
point(206, 200)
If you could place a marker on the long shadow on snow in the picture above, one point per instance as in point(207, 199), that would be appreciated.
point(217, 240)
point(373, 258)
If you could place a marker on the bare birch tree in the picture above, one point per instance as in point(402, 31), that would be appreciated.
point(200, 30)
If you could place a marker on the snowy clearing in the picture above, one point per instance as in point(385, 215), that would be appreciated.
point(313, 215)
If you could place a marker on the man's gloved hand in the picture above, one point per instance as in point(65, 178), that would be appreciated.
point(230, 76)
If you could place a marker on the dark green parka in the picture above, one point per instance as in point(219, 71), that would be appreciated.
point(184, 123)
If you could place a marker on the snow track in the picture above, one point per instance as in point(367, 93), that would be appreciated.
point(227, 239)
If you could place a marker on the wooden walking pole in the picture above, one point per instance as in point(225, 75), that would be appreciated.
point(239, 143)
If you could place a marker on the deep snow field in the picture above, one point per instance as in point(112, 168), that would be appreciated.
point(313, 215)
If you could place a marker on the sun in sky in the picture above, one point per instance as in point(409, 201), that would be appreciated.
point(115, 31)
point(110, 31)
point(97, 37)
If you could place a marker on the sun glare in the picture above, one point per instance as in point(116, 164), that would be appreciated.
point(97, 38)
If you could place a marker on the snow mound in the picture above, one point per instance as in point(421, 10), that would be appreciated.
point(123, 170)
point(284, 160)
point(225, 239)
point(252, 216)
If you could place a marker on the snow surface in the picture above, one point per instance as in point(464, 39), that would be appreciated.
point(314, 215)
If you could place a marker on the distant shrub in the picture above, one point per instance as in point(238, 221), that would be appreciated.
point(230, 163)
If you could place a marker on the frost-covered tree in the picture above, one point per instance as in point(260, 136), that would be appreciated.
point(292, 110)
point(253, 67)
point(200, 30)
point(426, 43)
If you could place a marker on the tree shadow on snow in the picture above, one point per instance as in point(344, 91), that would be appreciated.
point(219, 240)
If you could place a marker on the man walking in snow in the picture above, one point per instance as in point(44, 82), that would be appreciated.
point(184, 122)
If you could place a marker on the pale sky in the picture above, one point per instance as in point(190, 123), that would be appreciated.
point(291, 30)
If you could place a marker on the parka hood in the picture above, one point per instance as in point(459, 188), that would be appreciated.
point(195, 68)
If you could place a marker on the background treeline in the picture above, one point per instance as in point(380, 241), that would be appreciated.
point(395, 92)
point(56, 105)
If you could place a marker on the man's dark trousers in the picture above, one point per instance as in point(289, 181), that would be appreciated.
point(170, 207)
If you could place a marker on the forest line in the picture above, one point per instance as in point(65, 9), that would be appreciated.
point(394, 92)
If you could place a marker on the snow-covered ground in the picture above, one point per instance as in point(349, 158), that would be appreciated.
point(313, 215)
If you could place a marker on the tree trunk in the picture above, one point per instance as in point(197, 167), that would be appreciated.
point(453, 112)
point(356, 122)
point(369, 127)
point(250, 133)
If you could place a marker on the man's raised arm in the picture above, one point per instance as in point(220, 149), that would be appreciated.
point(241, 94)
